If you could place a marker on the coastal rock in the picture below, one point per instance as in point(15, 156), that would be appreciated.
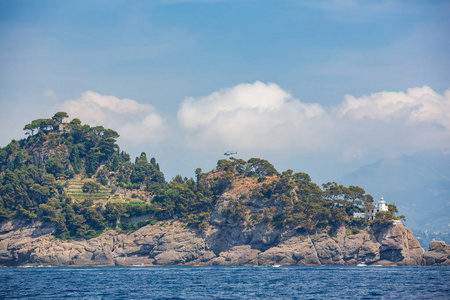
point(295, 251)
point(353, 250)
point(398, 245)
point(173, 244)
point(439, 254)
point(328, 250)
point(415, 251)
point(133, 261)
point(369, 252)
point(237, 256)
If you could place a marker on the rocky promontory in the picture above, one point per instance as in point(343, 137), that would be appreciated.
point(172, 243)
point(70, 197)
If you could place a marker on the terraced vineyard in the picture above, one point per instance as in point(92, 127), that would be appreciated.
point(76, 193)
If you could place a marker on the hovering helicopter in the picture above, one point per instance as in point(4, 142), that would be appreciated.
point(228, 153)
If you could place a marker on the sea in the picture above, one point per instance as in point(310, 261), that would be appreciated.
point(225, 282)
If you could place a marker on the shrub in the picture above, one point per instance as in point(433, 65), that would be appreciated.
point(355, 230)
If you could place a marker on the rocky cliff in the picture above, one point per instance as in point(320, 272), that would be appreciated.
point(174, 244)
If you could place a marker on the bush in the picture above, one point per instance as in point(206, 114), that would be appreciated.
point(355, 230)
point(138, 208)
point(69, 174)
point(132, 226)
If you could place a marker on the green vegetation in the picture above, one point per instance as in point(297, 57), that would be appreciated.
point(90, 187)
point(76, 177)
point(386, 217)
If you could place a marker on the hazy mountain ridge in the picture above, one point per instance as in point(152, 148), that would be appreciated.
point(419, 184)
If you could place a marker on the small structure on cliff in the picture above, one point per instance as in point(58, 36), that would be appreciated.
point(370, 215)
point(63, 126)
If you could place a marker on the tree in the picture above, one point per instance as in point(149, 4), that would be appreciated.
point(92, 164)
point(59, 117)
point(239, 164)
point(48, 213)
point(143, 171)
point(55, 167)
point(260, 167)
point(29, 127)
point(44, 124)
point(113, 212)
point(198, 174)
point(288, 173)
point(39, 193)
point(93, 218)
point(75, 122)
point(225, 165)
point(383, 217)
point(301, 179)
point(90, 187)
point(393, 208)
point(34, 125)
point(178, 178)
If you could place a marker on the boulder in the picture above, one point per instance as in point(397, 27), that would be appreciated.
point(295, 251)
point(439, 254)
point(328, 250)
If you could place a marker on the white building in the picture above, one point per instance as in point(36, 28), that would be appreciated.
point(381, 206)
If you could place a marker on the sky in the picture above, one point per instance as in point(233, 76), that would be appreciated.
point(321, 87)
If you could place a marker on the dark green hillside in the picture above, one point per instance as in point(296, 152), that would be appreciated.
point(76, 177)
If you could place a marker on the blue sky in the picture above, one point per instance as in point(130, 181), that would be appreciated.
point(347, 82)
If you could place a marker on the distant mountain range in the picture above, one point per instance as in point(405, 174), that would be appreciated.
point(418, 184)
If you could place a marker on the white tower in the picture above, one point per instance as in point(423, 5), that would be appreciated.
point(382, 205)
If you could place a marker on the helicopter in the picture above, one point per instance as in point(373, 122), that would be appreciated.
point(228, 153)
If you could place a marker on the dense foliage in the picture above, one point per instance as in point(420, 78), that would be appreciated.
point(292, 199)
point(35, 170)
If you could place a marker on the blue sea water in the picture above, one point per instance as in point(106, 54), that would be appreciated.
point(225, 283)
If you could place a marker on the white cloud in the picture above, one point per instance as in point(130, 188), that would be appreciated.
point(98, 104)
point(137, 123)
point(250, 116)
point(262, 117)
point(417, 105)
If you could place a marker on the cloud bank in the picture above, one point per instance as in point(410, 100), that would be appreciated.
point(137, 123)
point(260, 116)
point(415, 106)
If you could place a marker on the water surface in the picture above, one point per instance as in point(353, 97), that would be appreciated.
point(225, 283)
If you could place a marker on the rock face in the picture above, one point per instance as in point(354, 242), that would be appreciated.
point(172, 244)
point(400, 247)
point(439, 254)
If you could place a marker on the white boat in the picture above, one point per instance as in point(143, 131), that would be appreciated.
point(276, 266)
point(361, 265)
